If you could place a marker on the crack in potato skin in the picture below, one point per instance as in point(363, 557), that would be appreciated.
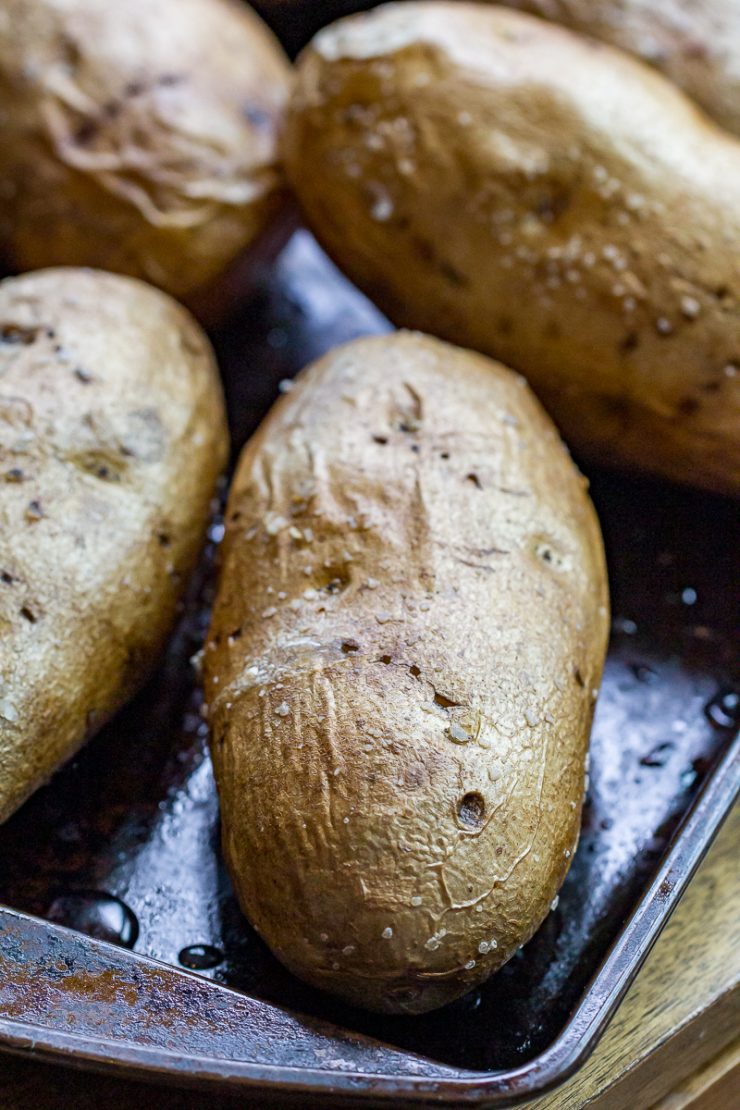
point(399, 736)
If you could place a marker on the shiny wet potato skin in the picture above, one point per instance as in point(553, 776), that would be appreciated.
point(405, 649)
point(545, 199)
point(112, 435)
point(138, 137)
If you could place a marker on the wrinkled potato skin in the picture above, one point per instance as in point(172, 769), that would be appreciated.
point(138, 137)
point(542, 198)
point(694, 42)
point(112, 435)
point(406, 525)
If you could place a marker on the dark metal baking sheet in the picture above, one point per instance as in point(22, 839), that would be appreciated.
point(135, 818)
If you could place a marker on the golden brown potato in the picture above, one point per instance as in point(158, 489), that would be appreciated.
point(545, 199)
point(401, 670)
point(694, 42)
point(112, 436)
point(138, 137)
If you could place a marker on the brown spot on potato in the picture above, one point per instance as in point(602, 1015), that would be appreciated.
point(332, 579)
point(17, 335)
point(86, 132)
point(687, 406)
point(71, 54)
point(445, 702)
point(100, 463)
point(453, 275)
point(629, 343)
point(547, 552)
point(551, 206)
point(471, 810)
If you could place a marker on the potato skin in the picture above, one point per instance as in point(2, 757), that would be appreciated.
point(138, 137)
point(401, 669)
point(697, 45)
point(112, 435)
point(542, 198)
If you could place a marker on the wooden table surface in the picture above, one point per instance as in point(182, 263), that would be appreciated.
point(673, 1045)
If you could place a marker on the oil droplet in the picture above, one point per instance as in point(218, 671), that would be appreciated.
point(657, 756)
point(654, 846)
point(201, 957)
point(624, 625)
point(96, 914)
point(723, 710)
point(643, 673)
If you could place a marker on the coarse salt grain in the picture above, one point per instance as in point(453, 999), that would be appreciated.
point(690, 307)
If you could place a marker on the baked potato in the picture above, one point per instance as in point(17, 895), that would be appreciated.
point(406, 645)
point(545, 199)
point(138, 137)
point(112, 435)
